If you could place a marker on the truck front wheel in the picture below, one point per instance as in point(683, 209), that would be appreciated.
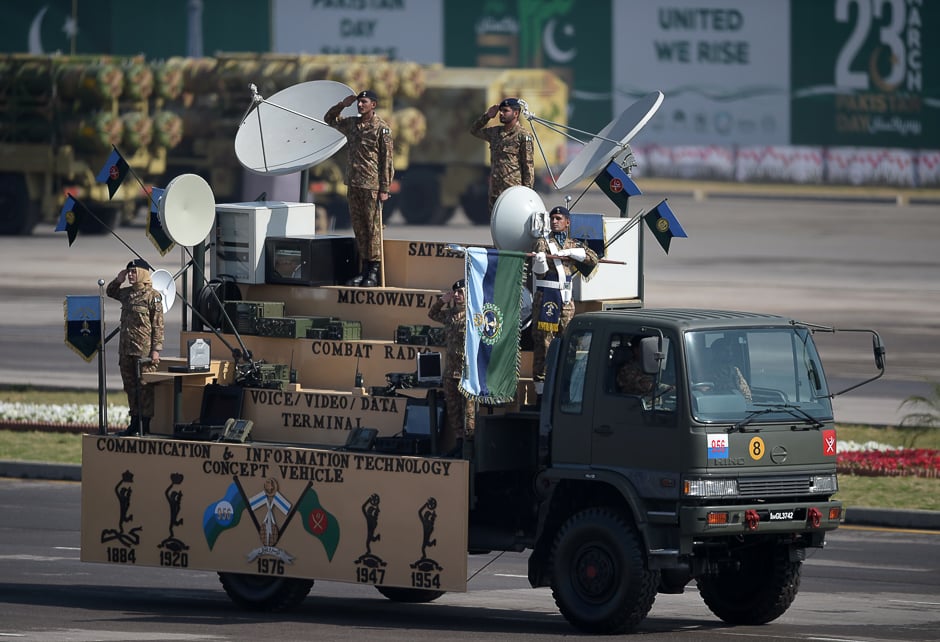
point(760, 590)
point(599, 579)
point(263, 593)
point(409, 595)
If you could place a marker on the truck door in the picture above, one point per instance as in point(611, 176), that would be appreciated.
point(635, 418)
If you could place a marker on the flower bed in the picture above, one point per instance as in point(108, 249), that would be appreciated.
point(906, 462)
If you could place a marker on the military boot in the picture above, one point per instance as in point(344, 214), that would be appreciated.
point(132, 429)
point(357, 280)
point(144, 426)
point(371, 278)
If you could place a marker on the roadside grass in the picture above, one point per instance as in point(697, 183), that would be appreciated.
point(870, 492)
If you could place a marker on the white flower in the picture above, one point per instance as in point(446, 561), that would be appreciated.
point(70, 413)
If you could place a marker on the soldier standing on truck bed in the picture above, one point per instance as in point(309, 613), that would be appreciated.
point(511, 152)
point(556, 259)
point(141, 338)
point(460, 417)
point(369, 173)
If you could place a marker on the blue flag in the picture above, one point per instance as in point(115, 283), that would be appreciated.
point(494, 293)
point(113, 172)
point(155, 232)
point(664, 225)
point(617, 184)
point(83, 324)
point(223, 514)
point(71, 217)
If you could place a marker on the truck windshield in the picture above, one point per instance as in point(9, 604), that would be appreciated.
point(733, 373)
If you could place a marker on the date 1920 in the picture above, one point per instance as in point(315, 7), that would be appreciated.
point(175, 559)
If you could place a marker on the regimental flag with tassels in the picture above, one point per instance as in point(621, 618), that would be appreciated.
point(494, 292)
point(155, 232)
point(83, 324)
point(113, 172)
point(223, 514)
point(664, 225)
point(71, 217)
point(318, 521)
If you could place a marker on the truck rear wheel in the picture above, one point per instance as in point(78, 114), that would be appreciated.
point(262, 593)
point(759, 591)
point(409, 595)
point(420, 197)
point(18, 215)
point(599, 579)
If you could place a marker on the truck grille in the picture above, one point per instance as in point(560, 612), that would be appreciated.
point(773, 486)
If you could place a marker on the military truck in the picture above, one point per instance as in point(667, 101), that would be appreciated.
point(617, 495)
point(60, 116)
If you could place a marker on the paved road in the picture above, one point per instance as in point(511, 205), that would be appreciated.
point(850, 264)
point(867, 585)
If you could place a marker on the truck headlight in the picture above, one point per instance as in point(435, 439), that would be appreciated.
point(710, 487)
point(823, 483)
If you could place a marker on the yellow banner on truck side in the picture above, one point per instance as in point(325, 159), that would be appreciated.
point(274, 510)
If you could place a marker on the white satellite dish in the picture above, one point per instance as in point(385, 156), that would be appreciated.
point(511, 223)
point(187, 209)
point(286, 133)
point(164, 284)
point(604, 147)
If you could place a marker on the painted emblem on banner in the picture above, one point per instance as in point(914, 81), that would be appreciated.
point(662, 225)
point(489, 323)
point(264, 509)
point(616, 185)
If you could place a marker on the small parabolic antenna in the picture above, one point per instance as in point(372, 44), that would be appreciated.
point(187, 209)
point(164, 284)
point(277, 136)
point(610, 141)
point(511, 225)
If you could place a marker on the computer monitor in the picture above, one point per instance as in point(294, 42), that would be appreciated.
point(429, 367)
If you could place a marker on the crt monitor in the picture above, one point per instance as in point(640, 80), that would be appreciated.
point(429, 367)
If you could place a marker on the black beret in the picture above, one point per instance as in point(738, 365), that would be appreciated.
point(459, 284)
point(558, 209)
point(139, 263)
point(368, 93)
point(512, 103)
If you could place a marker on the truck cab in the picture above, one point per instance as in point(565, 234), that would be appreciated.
point(720, 470)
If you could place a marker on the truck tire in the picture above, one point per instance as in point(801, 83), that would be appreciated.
point(18, 215)
point(759, 591)
point(263, 593)
point(475, 202)
point(599, 577)
point(420, 197)
point(409, 595)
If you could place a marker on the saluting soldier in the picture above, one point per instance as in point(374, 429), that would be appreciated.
point(511, 152)
point(369, 174)
point(450, 310)
point(557, 257)
point(141, 338)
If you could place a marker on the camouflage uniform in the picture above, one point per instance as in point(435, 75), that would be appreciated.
point(460, 416)
point(631, 379)
point(369, 170)
point(541, 338)
point(141, 334)
point(511, 156)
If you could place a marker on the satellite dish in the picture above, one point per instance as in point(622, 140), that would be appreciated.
point(187, 209)
point(595, 156)
point(511, 224)
point(164, 284)
point(285, 133)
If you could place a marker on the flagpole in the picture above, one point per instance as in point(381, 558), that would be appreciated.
point(102, 370)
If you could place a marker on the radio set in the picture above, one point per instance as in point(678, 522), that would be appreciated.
point(420, 335)
point(244, 315)
point(337, 330)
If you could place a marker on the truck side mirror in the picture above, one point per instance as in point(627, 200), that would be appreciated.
point(652, 356)
point(878, 348)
